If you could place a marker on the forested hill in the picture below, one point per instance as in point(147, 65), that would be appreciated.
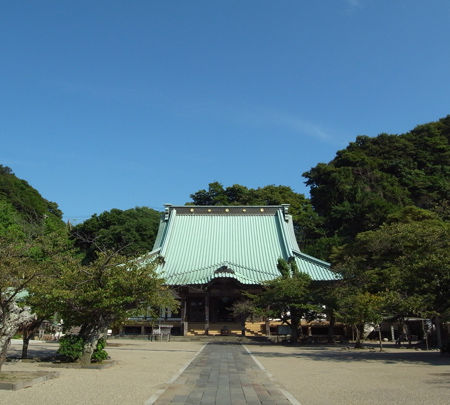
point(22, 204)
point(374, 177)
point(356, 192)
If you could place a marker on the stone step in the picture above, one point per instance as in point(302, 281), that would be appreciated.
point(212, 332)
point(224, 339)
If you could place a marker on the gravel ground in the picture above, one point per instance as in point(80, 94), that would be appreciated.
point(313, 375)
point(319, 376)
point(143, 367)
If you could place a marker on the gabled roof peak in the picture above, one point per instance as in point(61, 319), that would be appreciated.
point(227, 209)
point(200, 243)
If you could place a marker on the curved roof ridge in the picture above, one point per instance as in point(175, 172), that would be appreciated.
point(220, 264)
point(249, 268)
point(239, 277)
point(151, 253)
point(311, 258)
point(193, 270)
point(283, 231)
point(167, 232)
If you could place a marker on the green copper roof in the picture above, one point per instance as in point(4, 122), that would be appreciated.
point(200, 243)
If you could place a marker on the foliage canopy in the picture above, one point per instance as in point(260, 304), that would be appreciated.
point(407, 259)
point(288, 297)
point(132, 232)
point(22, 205)
point(375, 177)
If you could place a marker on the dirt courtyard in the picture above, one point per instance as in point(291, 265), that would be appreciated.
point(313, 375)
point(142, 368)
point(336, 375)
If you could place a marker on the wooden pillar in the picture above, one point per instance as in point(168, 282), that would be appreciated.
point(184, 310)
point(267, 323)
point(184, 317)
point(332, 318)
point(425, 333)
point(207, 313)
point(437, 324)
point(267, 326)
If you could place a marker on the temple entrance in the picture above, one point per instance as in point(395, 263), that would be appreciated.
point(221, 310)
point(214, 304)
point(196, 309)
point(223, 293)
point(208, 309)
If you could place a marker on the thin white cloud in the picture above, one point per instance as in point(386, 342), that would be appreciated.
point(354, 3)
point(286, 121)
point(259, 117)
point(301, 126)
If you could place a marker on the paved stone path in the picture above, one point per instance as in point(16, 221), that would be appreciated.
point(223, 374)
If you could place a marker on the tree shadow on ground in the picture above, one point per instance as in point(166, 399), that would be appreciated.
point(343, 354)
point(34, 352)
point(41, 352)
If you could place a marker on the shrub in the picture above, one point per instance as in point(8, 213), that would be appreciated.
point(71, 347)
point(99, 354)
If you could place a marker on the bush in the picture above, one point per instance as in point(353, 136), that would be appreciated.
point(71, 347)
point(99, 354)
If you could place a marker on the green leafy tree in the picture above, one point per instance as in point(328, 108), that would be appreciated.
point(24, 263)
point(375, 177)
point(29, 227)
point(132, 232)
point(10, 221)
point(104, 292)
point(287, 297)
point(242, 310)
point(16, 272)
point(326, 294)
point(31, 208)
point(407, 260)
point(357, 308)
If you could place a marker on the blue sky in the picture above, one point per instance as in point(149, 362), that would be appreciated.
point(117, 104)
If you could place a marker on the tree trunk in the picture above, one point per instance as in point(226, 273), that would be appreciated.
point(359, 333)
point(28, 330)
point(25, 343)
point(437, 324)
point(296, 331)
point(88, 349)
point(91, 334)
point(243, 319)
point(294, 334)
point(12, 317)
point(379, 338)
point(4, 343)
point(267, 326)
point(331, 337)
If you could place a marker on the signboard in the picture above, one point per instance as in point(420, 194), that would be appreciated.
point(284, 330)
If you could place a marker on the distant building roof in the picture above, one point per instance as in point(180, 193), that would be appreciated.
point(201, 243)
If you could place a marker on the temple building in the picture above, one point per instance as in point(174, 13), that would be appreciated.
point(214, 253)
